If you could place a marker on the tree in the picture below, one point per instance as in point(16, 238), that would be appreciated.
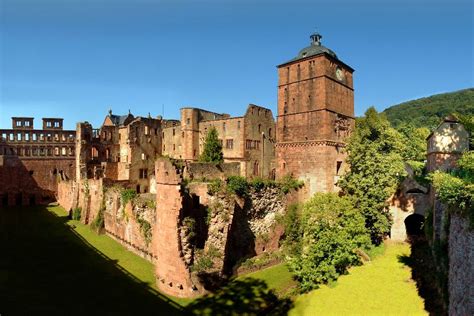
point(331, 232)
point(212, 151)
point(415, 141)
point(376, 169)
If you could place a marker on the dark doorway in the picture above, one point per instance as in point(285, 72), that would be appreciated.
point(32, 200)
point(414, 224)
point(18, 199)
point(4, 200)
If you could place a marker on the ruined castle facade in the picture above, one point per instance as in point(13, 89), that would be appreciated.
point(315, 115)
point(33, 161)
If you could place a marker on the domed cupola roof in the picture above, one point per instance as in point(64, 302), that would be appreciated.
point(314, 49)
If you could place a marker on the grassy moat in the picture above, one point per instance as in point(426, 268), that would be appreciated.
point(51, 265)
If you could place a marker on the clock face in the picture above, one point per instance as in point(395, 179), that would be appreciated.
point(339, 74)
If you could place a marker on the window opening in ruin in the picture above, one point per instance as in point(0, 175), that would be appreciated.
point(270, 132)
point(143, 173)
point(63, 151)
point(71, 151)
point(94, 152)
point(27, 123)
point(223, 126)
point(48, 137)
point(174, 132)
point(194, 153)
point(143, 156)
point(48, 124)
point(255, 168)
point(188, 121)
point(259, 128)
point(338, 167)
point(12, 137)
point(284, 165)
point(147, 130)
point(229, 143)
point(50, 151)
point(56, 124)
point(56, 151)
point(4, 136)
point(174, 147)
point(238, 124)
point(18, 123)
point(56, 137)
point(18, 137)
point(34, 137)
point(41, 151)
point(182, 134)
point(164, 147)
point(138, 188)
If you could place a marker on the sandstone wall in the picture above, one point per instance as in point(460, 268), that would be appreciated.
point(131, 224)
point(461, 267)
point(200, 170)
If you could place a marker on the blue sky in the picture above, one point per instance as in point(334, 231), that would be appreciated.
point(76, 59)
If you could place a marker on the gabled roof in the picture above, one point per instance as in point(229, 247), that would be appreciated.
point(118, 120)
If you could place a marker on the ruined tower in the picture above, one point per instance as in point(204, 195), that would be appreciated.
point(315, 115)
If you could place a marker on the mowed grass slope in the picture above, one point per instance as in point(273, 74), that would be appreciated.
point(381, 287)
point(48, 267)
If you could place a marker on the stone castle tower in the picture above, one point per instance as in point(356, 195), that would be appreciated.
point(315, 115)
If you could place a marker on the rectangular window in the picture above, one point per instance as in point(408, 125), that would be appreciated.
point(27, 123)
point(229, 143)
point(248, 144)
point(147, 130)
point(143, 173)
point(238, 124)
point(56, 124)
point(63, 151)
point(18, 137)
point(188, 121)
point(27, 137)
point(18, 123)
point(48, 124)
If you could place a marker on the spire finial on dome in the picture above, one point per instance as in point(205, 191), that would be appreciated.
point(316, 38)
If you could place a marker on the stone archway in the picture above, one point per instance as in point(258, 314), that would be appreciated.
point(414, 225)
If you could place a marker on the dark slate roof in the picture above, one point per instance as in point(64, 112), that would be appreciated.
point(119, 120)
point(314, 49)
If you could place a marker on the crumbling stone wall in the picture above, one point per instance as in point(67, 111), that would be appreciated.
point(172, 272)
point(131, 224)
point(461, 266)
point(203, 170)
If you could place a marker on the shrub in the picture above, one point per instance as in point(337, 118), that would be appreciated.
point(76, 214)
point(98, 222)
point(128, 195)
point(288, 183)
point(190, 223)
point(214, 187)
point(331, 234)
point(145, 228)
point(237, 185)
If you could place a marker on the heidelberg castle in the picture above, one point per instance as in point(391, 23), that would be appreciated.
point(315, 115)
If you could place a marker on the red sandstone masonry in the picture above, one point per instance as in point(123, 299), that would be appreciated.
point(173, 276)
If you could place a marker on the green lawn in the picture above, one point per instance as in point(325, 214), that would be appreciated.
point(381, 287)
point(52, 265)
point(277, 277)
point(47, 267)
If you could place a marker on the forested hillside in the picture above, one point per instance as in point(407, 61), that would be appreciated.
point(427, 112)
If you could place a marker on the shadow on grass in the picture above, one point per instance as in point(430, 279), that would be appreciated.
point(241, 297)
point(425, 274)
point(46, 268)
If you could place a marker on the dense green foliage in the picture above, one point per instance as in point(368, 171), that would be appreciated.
point(414, 140)
point(127, 195)
point(76, 214)
point(331, 231)
point(376, 169)
point(212, 151)
point(428, 112)
point(237, 185)
point(241, 297)
point(457, 188)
